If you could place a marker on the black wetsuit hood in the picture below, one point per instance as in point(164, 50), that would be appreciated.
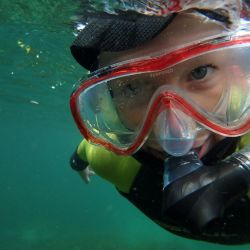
point(110, 33)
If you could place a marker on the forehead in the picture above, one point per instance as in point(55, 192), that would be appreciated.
point(185, 28)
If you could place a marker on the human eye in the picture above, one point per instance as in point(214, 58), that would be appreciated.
point(122, 89)
point(130, 90)
point(201, 73)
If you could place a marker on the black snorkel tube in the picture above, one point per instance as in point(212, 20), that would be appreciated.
point(194, 194)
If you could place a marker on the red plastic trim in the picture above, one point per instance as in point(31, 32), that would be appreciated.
point(151, 65)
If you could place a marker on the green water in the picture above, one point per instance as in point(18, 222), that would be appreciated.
point(44, 204)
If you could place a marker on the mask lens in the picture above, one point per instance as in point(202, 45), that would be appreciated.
point(215, 85)
point(100, 116)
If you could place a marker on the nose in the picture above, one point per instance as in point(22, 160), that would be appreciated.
point(175, 131)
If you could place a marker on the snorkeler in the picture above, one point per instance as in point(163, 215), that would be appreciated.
point(165, 115)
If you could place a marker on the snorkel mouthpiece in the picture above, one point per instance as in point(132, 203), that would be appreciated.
point(175, 132)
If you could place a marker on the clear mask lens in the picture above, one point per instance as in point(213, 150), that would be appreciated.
point(209, 90)
point(175, 131)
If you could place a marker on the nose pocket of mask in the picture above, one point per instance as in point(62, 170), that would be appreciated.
point(175, 131)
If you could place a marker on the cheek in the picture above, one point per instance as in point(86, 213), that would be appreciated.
point(210, 101)
point(132, 117)
point(209, 98)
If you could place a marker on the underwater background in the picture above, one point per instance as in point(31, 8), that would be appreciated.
point(44, 204)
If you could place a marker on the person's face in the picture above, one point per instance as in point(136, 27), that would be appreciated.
point(198, 77)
